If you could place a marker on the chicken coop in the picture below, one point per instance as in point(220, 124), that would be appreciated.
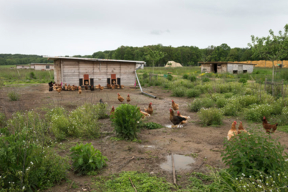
point(227, 67)
point(93, 71)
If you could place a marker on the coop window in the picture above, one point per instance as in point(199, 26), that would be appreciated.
point(86, 82)
point(235, 71)
point(244, 71)
point(47, 67)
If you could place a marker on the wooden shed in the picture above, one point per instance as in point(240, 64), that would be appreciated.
point(227, 67)
point(42, 66)
point(23, 67)
point(93, 71)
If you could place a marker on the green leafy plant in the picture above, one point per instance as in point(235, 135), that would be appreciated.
point(86, 158)
point(185, 76)
point(193, 93)
point(32, 75)
point(28, 165)
point(197, 104)
point(13, 96)
point(2, 120)
point(247, 154)
point(151, 125)
point(221, 102)
point(145, 75)
point(126, 121)
point(169, 77)
point(192, 78)
point(205, 79)
point(212, 116)
point(178, 92)
point(242, 80)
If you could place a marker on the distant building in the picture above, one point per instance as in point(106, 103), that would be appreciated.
point(93, 71)
point(42, 66)
point(227, 67)
point(173, 64)
point(139, 65)
point(23, 67)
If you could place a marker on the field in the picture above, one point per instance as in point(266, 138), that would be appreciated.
point(196, 147)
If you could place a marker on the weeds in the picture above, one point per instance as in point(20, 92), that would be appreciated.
point(212, 116)
point(193, 93)
point(13, 96)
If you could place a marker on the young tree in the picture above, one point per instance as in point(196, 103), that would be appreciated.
point(272, 47)
point(154, 56)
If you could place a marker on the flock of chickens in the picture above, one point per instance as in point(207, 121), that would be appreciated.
point(176, 120)
point(233, 131)
point(59, 88)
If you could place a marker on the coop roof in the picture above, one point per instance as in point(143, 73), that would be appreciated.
point(211, 62)
point(96, 59)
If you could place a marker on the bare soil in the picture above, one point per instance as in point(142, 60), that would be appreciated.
point(204, 144)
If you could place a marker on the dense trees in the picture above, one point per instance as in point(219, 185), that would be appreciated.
point(14, 59)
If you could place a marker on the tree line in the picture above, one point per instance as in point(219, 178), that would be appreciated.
point(273, 47)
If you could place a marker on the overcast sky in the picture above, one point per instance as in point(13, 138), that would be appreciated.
point(70, 27)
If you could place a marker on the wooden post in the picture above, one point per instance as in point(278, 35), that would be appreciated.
point(265, 84)
point(150, 76)
point(273, 89)
point(283, 88)
point(173, 169)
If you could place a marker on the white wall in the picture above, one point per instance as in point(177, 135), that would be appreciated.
point(43, 67)
point(231, 67)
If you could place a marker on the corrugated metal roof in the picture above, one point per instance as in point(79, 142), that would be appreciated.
point(96, 59)
point(211, 62)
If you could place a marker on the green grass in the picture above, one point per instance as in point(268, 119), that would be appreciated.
point(8, 66)
point(175, 71)
point(283, 128)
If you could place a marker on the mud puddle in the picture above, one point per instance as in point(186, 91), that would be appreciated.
point(180, 161)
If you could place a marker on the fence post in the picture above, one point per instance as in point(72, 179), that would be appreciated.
point(150, 76)
point(265, 84)
point(283, 88)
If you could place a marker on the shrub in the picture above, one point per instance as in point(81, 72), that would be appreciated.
point(212, 116)
point(242, 80)
point(178, 92)
point(205, 79)
point(247, 100)
point(143, 181)
point(101, 110)
point(126, 120)
point(86, 158)
point(2, 120)
point(151, 125)
point(192, 78)
point(32, 75)
point(28, 165)
point(228, 95)
point(256, 112)
point(197, 104)
point(193, 93)
point(169, 77)
point(13, 96)
point(145, 75)
point(248, 154)
point(185, 76)
point(221, 102)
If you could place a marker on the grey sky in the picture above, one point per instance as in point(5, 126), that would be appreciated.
point(70, 27)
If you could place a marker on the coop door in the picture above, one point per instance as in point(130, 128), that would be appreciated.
point(80, 82)
point(92, 82)
point(86, 79)
point(118, 81)
point(108, 81)
point(240, 68)
point(113, 79)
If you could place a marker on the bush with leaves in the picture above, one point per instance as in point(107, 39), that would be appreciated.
point(221, 102)
point(242, 80)
point(212, 116)
point(178, 92)
point(2, 120)
point(169, 77)
point(193, 93)
point(192, 78)
point(256, 112)
point(27, 165)
point(126, 121)
point(248, 154)
point(86, 158)
point(151, 125)
point(205, 79)
point(197, 104)
point(185, 76)
point(13, 96)
point(145, 75)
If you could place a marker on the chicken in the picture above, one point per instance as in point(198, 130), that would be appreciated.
point(150, 109)
point(122, 86)
point(92, 88)
point(144, 113)
point(65, 87)
point(112, 110)
point(79, 90)
point(101, 101)
point(96, 86)
point(175, 106)
point(117, 86)
point(69, 87)
point(73, 88)
point(269, 128)
point(128, 98)
point(86, 87)
point(59, 90)
point(101, 88)
point(108, 86)
point(54, 87)
point(113, 86)
point(176, 120)
point(121, 99)
point(233, 131)
point(241, 129)
point(178, 114)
